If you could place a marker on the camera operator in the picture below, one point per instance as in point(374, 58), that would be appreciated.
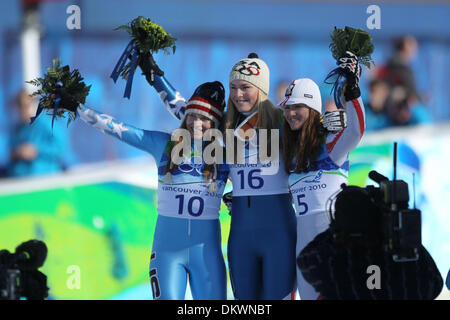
point(340, 262)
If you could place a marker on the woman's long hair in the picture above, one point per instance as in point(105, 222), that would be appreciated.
point(269, 117)
point(171, 167)
point(304, 144)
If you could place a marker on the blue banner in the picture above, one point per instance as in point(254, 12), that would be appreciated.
point(131, 51)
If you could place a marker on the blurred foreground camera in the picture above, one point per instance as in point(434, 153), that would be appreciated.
point(372, 249)
point(19, 277)
point(378, 216)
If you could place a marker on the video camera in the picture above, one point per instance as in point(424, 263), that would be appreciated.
point(381, 211)
point(400, 226)
point(19, 276)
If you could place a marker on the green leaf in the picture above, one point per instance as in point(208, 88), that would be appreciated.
point(149, 36)
point(124, 27)
point(72, 84)
point(357, 41)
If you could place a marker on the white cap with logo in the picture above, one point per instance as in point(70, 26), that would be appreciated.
point(304, 91)
point(253, 70)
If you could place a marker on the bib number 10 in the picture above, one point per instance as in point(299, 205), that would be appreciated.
point(254, 182)
point(195, 205)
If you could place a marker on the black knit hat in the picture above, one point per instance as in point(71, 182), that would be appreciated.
point(208, 100)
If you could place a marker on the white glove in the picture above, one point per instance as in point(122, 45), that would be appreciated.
point(349, 63)
point(334, 121)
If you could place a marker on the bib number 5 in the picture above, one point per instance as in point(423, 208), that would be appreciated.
point(302, 206)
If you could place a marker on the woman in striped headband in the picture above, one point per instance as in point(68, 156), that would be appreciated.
point(187, 239)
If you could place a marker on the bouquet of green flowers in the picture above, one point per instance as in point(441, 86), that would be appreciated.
point(147, 36)
point(356, 41)
point(58, 77)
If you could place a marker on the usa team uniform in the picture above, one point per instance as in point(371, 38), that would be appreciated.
point(187, 237)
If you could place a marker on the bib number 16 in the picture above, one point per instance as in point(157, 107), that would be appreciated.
point(254, 182)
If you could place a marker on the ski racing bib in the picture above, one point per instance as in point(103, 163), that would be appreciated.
point(187, 195)
point(255, 178)
point(310, 190)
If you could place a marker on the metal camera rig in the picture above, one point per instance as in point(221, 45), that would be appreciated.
point(400, 226)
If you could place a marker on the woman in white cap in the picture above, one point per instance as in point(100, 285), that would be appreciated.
point(187, 239)
point(316, 159)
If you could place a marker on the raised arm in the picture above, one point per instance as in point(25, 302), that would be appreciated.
point(341, 143)
point(172, 99)
point(152, 142)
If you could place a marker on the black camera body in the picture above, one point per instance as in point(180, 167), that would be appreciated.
point(400, 227)
point(10, 279)
point(19, 274)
